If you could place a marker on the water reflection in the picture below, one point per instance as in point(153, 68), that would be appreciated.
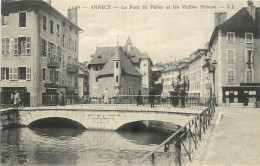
point(60, 133)
point(59, 146)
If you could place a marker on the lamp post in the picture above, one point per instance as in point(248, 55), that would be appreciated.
point(213, 67)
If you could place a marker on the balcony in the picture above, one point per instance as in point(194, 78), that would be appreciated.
point(72, 68)
point(53, 62)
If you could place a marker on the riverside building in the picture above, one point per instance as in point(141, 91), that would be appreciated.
point(39, 55)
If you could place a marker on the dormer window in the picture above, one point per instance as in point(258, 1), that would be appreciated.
point(99, 56)
point(22, 19)
point(249, 37)
point(231, 37)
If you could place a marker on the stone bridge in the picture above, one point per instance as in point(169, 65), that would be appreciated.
point(98, 117)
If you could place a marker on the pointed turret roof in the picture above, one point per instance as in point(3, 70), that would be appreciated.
point(128, 42)
point(117, 56)
point(145, 56)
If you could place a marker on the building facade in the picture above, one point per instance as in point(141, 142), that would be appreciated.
point(235, 45)
point(195, 73)
point(83, 80)
point(39, 52)
point(122, 70)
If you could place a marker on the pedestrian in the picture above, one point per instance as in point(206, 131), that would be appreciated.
point(16, 98)
point(139, 99)
point(106, 96)
point(62, 100)
point(183, 99)
point(151, 97)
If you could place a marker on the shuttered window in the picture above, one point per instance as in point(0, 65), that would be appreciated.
point(28, 73)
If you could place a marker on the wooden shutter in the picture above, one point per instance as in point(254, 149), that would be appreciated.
point(42, 45)
point(47, 75)
point(28, 45)
point(49, 49)
point(28, 73)
point(15, 73)
point(46, 47)
point(15, 46)
point(11, 73)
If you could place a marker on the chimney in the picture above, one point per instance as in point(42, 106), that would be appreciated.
point(73, 15)
point(220, 17)
point(251, 8)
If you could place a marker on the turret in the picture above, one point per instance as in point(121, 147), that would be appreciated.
point(117, 71)
point(145, 68)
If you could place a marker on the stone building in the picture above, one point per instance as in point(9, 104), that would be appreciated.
point(195, 73)
point(235, 46)
point(83, 80)
point(123, 70)
point(39, 52)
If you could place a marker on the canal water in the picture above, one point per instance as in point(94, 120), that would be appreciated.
point(68, 146)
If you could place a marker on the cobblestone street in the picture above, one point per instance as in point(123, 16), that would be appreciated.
point(234, 141)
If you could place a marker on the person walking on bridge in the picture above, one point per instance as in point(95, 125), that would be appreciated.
point(16, 98)
point(151, 97)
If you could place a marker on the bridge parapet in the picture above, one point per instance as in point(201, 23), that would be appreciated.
point(105, 118)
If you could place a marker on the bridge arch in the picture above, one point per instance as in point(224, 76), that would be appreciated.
point(55, 122)
point(148, 125)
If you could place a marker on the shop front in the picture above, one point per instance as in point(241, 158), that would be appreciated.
point(244, 94)
point(7, 96)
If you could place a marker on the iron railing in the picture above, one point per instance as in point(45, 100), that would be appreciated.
point(181, 145)
point(126, 100)
point(159, 101)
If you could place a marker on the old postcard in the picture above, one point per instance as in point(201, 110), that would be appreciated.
point(130, 82)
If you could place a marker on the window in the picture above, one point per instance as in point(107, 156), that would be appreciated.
point(5, 19)
point(116, 64)
point(51, 75)
point(21, 73)
point(231, 76)
point(129, 90)
point(13, 73)
point(5, 47)
point(76, 47)
point(22, 19)
point(22, 46)
point(249, 37)
point(57, 76)
point(43, 74)
point(249, 56)
point(249, 76)
point(44, 22)
point(4, 73)
point(51, 26)
point(58, 30)
point(231, 37)
point(44, 47)
point(63, 40)
point(51, 49)
point(116, 78)
point(96, 79)
point(230, 56)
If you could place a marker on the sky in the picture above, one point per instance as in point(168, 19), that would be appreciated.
point(165, 34)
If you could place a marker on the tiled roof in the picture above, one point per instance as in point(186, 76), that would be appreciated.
point(240, 22)
point(126, 66)
point(102, 54)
